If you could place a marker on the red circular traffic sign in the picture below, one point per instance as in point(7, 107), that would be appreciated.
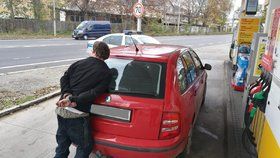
point(138, 10)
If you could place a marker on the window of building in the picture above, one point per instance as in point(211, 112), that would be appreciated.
point(72, 18)
point(77, 18)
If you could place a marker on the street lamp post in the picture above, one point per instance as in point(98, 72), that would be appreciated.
point(179, 17)
point(233, 19)
point(54, 21)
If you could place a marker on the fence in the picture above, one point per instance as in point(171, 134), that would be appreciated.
point(29, 25)
point(12, 25)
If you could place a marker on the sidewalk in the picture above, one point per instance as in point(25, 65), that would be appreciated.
point(234, 118)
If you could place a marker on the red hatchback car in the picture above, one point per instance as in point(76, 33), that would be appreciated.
point(152, 104)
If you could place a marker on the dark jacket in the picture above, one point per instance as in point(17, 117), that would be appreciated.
point(85, 79)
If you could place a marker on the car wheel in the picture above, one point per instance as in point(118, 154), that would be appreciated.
point(187, 148)
point(76, 38)
point(85, 37)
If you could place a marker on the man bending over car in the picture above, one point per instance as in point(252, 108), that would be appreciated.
point(84, 81)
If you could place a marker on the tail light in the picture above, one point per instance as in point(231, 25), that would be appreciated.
point(170, 125)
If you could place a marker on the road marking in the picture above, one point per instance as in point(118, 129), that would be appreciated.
point(21, 58)
point(43, 68)
point(201, 46)
point(42, 45)
point(50, 39)
point(41, 63)
point(205, 131)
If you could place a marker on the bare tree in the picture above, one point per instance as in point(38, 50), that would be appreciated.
point(10, 6)
point(37, 9)
point(83, 5)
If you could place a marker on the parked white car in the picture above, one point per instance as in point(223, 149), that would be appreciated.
point(118, 39)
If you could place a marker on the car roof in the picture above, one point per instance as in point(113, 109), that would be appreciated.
point(137, 35)
point(151, 52)
point(99, 22)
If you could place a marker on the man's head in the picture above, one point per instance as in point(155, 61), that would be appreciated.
point(101, 50)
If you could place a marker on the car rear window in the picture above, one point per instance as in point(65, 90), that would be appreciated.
point(137, 78)
point(148, 40)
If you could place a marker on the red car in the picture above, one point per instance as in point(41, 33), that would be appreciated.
point(152, 104)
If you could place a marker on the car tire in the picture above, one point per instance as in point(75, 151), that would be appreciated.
point(76, 38)
point(85, 37)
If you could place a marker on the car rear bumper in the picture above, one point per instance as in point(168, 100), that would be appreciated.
point(124, 147)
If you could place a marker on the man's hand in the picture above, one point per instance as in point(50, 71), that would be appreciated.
point(65, 95)
point(66, 103)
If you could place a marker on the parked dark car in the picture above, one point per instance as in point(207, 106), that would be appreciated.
point(88, 29)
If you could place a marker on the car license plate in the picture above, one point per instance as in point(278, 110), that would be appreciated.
point(111, 112)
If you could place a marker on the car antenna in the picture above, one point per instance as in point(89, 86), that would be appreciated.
point(136, 48)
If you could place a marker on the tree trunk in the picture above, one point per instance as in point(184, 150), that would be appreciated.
point(37, 9)
point(10, 6)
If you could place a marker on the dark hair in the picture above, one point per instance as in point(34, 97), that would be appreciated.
point(101, 50)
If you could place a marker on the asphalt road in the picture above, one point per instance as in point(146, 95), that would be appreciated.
point(31, 132)
point(20, 55)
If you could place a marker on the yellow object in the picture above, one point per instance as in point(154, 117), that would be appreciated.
point(269, 148)
point(257, 126)
point(260, 130)
point(260, 52)
point(247, 27)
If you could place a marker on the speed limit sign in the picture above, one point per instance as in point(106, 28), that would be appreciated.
point(138, 10)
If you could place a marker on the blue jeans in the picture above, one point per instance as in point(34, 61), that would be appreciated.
point(76, 131)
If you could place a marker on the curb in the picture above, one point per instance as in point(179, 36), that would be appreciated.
point(29, 103)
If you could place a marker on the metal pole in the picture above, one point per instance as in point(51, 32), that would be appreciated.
point(233, 20)
point(179, 18)
point(139, 20)
point(54, 19)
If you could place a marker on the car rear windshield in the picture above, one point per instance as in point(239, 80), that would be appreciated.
point(148, 40)
point(137, 78)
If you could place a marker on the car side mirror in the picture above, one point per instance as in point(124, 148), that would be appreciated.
point(207, 67)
